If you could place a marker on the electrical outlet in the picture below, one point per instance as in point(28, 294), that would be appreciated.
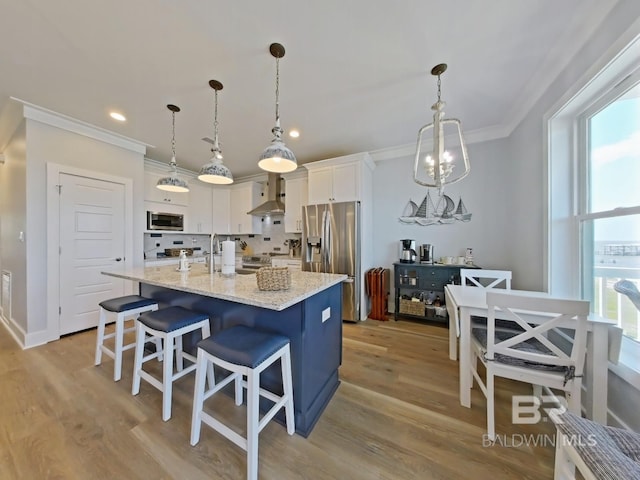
point(326, 314)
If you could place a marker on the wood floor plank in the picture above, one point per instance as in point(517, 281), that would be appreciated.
point(396, 415)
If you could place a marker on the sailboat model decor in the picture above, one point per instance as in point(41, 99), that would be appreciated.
point(444, 211)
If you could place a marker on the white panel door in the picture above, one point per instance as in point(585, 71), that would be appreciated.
point(92, 240)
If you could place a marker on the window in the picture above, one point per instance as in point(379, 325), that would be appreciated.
point(594, 199)
point(609, 211)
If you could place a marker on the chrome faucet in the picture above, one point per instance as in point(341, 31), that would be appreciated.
point(213, 249)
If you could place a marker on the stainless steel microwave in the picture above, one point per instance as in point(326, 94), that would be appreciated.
point(165, 221)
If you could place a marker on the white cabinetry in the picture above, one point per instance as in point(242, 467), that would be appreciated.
point(154, 194)
point(200, 214)
point(336, 180)
point(245, 197)
point(296, 192)
point(221, 207)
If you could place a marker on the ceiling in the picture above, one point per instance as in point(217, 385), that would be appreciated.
point(355, 76)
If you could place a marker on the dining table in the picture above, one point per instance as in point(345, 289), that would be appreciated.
point(463, 302)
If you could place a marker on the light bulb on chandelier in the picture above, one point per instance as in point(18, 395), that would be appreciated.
point(446, 165)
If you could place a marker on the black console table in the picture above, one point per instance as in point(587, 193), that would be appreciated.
point(419, 289)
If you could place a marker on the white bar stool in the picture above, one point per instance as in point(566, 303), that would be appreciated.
point(244, 352)
point(125, 308)
point(167, 324)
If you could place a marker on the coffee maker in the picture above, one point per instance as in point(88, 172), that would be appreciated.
point(407, 251)
point(426, 253)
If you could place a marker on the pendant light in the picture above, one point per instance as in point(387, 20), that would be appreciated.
point(439, 163)
point(277, 157)
point(215, 171)
point(173, 183)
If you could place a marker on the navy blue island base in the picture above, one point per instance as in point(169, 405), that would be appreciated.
point(316, 345)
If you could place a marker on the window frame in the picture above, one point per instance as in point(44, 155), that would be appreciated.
point(606, 80)
point(629, 363)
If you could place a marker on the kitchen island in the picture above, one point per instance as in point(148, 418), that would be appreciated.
point(309, 313)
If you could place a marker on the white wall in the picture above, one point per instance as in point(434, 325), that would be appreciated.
point(484, 193)
point(13, 220)
point(46, 143)
point(528, 145)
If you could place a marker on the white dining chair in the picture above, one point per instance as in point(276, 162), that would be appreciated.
point(531, 355)
point(486, 279)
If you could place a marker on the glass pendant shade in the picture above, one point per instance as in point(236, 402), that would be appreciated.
point(173, 183)
point(169, 184)
point(215, 171)
point(277, 157)
point(441, 154)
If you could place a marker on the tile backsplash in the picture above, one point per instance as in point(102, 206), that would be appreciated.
point(155, 243)
point(272, 240)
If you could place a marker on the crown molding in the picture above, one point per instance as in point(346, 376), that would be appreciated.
point(70, 124)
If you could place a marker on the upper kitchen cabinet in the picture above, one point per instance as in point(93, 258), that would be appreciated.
point(245, 197)
point(221, 209)
point(341, 179)
point(200, 212)
point(296, 192)
point(154, 194)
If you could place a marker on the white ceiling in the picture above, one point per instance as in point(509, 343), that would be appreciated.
point(355, 76)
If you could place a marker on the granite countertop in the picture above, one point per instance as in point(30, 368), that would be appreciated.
point(238, 288)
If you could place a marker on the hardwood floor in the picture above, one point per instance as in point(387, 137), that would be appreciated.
point(395, 415)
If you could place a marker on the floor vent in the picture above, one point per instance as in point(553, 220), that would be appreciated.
point(6, 295)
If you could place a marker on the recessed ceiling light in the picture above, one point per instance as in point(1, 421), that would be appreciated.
point(294, 133)
point(118, 116)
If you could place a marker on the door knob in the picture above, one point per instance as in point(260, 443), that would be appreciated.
point(118, 259)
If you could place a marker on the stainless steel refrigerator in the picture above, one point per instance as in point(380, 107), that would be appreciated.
point(331, 244)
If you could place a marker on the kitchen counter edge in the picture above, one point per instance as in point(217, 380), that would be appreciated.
point(238, 288)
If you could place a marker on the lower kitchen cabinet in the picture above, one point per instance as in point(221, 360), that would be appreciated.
point(419, 289)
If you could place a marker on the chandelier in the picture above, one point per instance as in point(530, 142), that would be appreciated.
point(436, 166)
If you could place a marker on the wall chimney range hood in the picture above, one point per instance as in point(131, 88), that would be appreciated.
point(273, 205)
